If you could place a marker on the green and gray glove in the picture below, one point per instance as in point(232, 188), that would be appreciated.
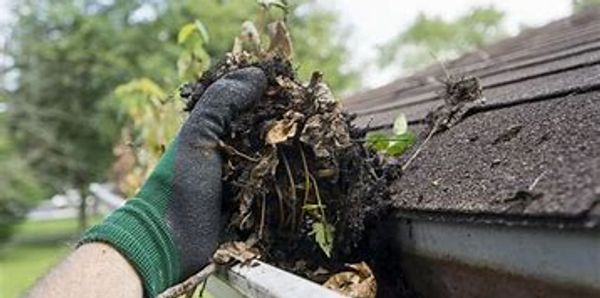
point(171, 228)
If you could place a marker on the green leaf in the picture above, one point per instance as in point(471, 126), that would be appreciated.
point(324, 234)
point(185, 32)
point(377, 140)
point(400, 144)
point(183, 65)
point(142, 86)
point(275, 3)
point(400, 125)
point(202, 30)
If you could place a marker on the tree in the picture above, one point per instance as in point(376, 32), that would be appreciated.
point(581, 5)
point(432, 36)
point(148, 102)
point(69, 56)
point(19, 186)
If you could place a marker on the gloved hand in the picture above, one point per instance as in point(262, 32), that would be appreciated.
point(171, 228)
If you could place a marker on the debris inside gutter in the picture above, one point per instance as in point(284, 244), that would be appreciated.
point(306, 188)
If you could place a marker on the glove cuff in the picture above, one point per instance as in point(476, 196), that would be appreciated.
point(138, 232)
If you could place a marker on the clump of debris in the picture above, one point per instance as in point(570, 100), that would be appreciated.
point(303, 184)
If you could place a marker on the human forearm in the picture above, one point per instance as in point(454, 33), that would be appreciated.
point(170, 229)
point(92, 270)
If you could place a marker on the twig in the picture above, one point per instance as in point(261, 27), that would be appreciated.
point(191, 293)
point(189, 284)
point(234, 151)
point(263, 210)
point(306, 180)
point(281, 212)
point(293, 189)
point(418, 151)
point(536, 181)
point(202, 288)
point(318, 195)
point(437, 59)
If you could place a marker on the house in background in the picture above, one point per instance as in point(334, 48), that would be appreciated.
point(507, 202)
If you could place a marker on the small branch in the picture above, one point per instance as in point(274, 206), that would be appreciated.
point(536, 181)
point(318, 195)
point(306, 180)
point(233, 151)
point(263, 211)
point(418, 151)
point(292, 189)
point(189, 284)
point(281, 212)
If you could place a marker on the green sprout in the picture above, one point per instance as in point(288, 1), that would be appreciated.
point(396, 143)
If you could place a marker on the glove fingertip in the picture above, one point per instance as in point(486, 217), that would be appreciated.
point(251, 78)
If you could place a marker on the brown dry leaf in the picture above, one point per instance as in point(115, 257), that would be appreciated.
point(250, 35)
point(359, 282)
point(325, 133)
point(237, 47)
point(235, 251)
point(266, 166)
point(283, 129)
point(324, 95)
point(296, 91)
point(281, 43)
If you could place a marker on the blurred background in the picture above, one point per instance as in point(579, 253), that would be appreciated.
point(89, 89)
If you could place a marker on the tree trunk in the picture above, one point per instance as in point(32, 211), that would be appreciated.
point(82, 210)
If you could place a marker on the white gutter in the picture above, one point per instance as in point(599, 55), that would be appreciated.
point(261, 280)
point(560, 257)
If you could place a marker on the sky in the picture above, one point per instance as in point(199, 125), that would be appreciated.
point(373, 22)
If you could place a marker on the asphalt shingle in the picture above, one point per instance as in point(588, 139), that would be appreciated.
point(540, 126)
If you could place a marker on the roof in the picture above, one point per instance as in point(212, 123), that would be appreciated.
point(533, 150)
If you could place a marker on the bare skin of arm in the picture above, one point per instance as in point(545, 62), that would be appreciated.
point(93, 270)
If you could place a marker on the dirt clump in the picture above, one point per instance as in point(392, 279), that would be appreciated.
point(301, 183)
point(461, 95)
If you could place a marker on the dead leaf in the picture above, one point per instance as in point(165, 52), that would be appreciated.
point(281, 43)
point(283, 129)
point(266, 166)
point(250, 35)
point(235, 251)
point(359, 282)
point(324, 96)
point(237, 47)
point(324, 141)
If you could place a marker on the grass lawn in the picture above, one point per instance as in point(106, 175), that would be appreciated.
point(25, 260)
point(22, 264)
point(35, 247)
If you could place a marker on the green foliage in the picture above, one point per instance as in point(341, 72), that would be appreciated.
point(396, 143)
point(68, 60)
point(433, 36)
point(581, 5)
point(324, 235)
point(194, 59)
point(320, 44)
point(187, 30)
point(267, 4)
point(19, 188)
point(71, 55)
